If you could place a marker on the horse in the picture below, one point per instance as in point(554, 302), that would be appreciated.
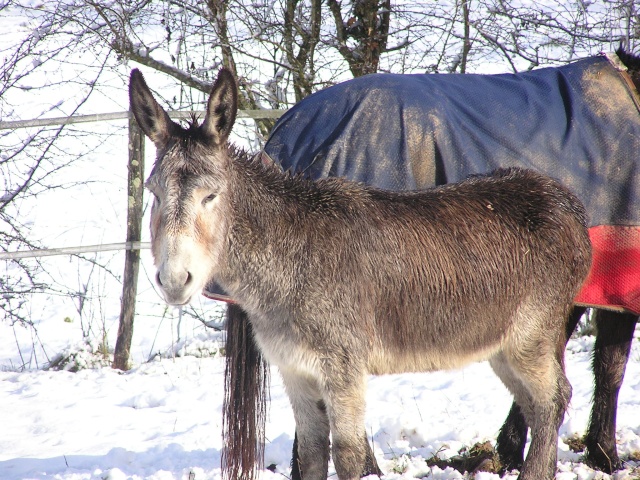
point(341, 280)
point(415, 131)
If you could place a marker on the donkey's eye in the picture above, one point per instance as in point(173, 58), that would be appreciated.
point(209, 198)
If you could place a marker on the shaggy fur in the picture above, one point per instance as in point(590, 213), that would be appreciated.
point(341, 280)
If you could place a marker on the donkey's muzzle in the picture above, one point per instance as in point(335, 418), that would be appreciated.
point(176, 285)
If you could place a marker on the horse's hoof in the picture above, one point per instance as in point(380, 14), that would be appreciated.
point(604, 459)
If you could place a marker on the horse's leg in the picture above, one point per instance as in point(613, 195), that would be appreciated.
point(613, 343)
point(512, 437)
point(533, 371)
point(311, 444)
point(370, 464)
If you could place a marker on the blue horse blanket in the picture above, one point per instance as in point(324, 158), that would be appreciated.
point(579, 123)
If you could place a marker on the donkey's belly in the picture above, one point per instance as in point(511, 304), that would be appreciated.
point(384, 361)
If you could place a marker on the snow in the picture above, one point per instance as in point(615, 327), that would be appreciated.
point(162, 420)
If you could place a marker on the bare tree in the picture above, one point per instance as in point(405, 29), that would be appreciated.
point(536, 34)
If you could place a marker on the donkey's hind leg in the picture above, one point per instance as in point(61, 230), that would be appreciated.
point(311, 445)
point(513, 433)
point(611, 352)
point(534, 373)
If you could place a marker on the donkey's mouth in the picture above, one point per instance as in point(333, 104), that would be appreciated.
point(178, 300)
point(177, 303)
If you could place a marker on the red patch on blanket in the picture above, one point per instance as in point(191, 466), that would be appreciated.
point(614, 279)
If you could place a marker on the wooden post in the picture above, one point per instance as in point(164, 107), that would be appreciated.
point(135, 188)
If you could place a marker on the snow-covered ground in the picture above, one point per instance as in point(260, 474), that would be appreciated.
point(162, 420)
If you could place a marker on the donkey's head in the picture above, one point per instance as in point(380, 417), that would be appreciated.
point(187, 182)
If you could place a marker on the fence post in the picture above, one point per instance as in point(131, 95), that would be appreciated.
point(132, 257)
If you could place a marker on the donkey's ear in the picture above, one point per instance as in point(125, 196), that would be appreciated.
point(151, 117)
point(221, 108)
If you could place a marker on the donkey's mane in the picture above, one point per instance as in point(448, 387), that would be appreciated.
point(329, 194)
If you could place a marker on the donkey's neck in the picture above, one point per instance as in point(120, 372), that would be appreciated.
point(273, 218)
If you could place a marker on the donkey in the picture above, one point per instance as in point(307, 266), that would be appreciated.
point(341, 280)
point(414, 131)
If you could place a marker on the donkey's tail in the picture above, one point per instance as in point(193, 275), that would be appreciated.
point(246, 389)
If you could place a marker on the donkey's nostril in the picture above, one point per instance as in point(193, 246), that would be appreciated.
point(158, 281)
point(189, 278)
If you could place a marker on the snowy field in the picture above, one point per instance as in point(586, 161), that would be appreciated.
point(162, 420)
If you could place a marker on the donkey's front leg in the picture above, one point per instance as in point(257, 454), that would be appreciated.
point(370, 465)
point(312, 426)
point(345, 399)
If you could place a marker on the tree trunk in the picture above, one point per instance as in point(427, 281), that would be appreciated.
point(368, 27)
point(466, 41)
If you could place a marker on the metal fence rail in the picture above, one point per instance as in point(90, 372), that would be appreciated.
point(103, 117)
point(50, 252)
